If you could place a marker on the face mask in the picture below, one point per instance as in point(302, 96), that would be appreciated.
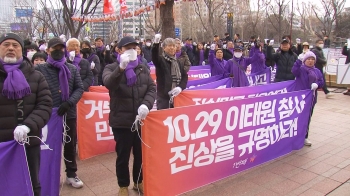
point(321, 45)
point(237, 54)
point(148, 44)
point(57, 55)
point(30, 54)
point(85, 50)
point(132, 53)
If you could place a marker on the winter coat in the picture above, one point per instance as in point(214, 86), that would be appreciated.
point(147, 52)
point(164, 79)
point(94, 58)
point(228, 54)
point(268, 62)
point(36, 107)
point(284, 63)
point(217, 66)
point(238, 66)
point(197, 53)
point(183, 59)
point(125, 100)
point(101, 55)
point(259, 64)
point(110, 57)
point(190, 53)
point(85, 73)
point(75, 84)
point(305, 76)
point(321, 61)
point(346, 52)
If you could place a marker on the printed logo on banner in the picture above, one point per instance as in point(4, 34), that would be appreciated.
point(220, 139)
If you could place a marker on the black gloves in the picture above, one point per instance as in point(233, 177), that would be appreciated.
point(64, 107)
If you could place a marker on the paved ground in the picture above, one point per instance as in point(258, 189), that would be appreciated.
point(323, 168)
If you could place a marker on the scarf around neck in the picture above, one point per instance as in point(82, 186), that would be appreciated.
point(100, 48)
point(63, 76)
point(76, 61)
point(175, 70)
point(91, 57)
point(15, 84)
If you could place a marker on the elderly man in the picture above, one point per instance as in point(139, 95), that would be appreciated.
point(66, 88)
point(82, 65)
point(171, 74)
point(22, 86)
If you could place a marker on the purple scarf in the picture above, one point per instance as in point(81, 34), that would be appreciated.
point(189, 46)
point(63, 76)
point(178, 54)
point(139, 58)
point(116, 55)
point(90, 58)
point(76, 61)
point(201, 57)
point(130, 73)
point(15, 84)
point(231, 50)
point(100, 48)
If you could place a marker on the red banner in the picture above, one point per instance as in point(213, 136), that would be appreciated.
point(108, 7)
point(95, 136)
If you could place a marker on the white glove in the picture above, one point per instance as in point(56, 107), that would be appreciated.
point(212, 47)
point(314, 86)
point(71, 55)
point(157, 38)
point(271, 42)
point(108, 47)
point(297, 40)
point(124, 60)
point(194, 43)
point(20, 133)
point(301, 56)
point(175, 92)
point(143, 111)
point(224, 46)
point(92, 65)
point(252, 44)
point(132, 54)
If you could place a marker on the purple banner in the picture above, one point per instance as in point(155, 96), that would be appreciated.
point(199, 82)
point(50, 164)
point(14, 175)
point(259, 78)
point(200, 67)
point(223, 83)
point(199, 73)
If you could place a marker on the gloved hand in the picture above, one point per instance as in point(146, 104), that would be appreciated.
point(194, 43)
point(297, 40)
point(108, 47)
point(157, 38)
point(64, 108)
point(224, 46)
point(175, 92)
point(252, 44)
point(92, 65)
point(71, 55)
point(212, 47)
point(124, 60)
point(314, 86)
point(132, 54)
point(271, 42)
point(301, 56)
point(143, 111)
point(20, 133)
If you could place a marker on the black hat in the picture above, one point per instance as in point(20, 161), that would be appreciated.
point(14, 36)
point(188, 38)
point(54, 42)
point(125, 41)
point(285, 41)
point(237, 47)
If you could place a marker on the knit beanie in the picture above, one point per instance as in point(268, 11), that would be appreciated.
point(14, 36)
point(308, 55)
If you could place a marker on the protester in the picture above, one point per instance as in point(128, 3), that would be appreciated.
point(284, 60)
point(100, 52)
point(30, 50)
point(346, 52)
point(257, 65)
point(22, 86)
point(237, 66)
point(132, 91)
point(327, 42)
point(170, 72)
point(111, 54)
point(39, 58)
point(83, 66)
point(321, 61)
point(140, 57)
point(228, 52)
point(181, 55)
point(308, 77)
point(189, 48)
point(147, 50)
point(201, 55)
point(268, 62)
point(227, 38)
point(66, 88)
point(216, 61)
point(93, 59)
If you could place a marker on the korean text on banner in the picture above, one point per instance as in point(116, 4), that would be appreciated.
point(198, 97)
point(223, 83)
point(95, 136)
point(50, 162)
point(259, 78)
point(14, 175)
point(196, 145)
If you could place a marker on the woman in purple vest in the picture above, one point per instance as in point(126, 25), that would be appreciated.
point(216, 61)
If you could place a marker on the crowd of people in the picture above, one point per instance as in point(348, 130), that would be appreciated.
point(42, 76)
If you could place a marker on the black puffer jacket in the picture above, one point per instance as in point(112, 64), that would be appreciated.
point(164, 79)
point(321, 61)
point(284, 63)
point(101, 56)
point(346, 52)
point(147, 52)
point(85, 73)
point(94, 58)
point(190, 53)
point(36, 107)
point(75, 86)
point(125, 100)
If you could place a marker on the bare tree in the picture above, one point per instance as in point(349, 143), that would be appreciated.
point(277, 16)
point(254, 16)
point(167, 18)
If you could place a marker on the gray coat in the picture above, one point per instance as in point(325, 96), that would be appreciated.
point(85, 73)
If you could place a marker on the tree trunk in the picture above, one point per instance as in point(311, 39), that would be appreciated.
point(168, 23)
